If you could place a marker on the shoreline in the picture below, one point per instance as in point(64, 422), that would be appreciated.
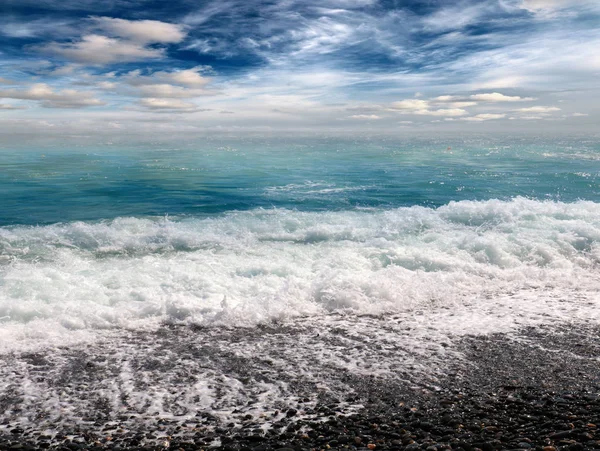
point(535, 389)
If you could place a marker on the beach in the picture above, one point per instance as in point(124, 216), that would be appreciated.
point(187, 388)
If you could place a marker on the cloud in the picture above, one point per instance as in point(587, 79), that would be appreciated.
point(142, 31)
point(167, 104)
point(15, 27)
point(292, 32)
point(497, 97)
point(411, 105)
point(508, 81)
point(107, 85)
point(67, 69)
point(451, 112)
point(538, 5)
point(305, 61)
point(365, 116)
point(543, 110)
point(484, 117)
point(542, 60)
point(579, 114)
point(121, 41)
point(453, 106)
point(526, 118)
point(168, 91)
point(321, 36)
point(6, 106)
point(550, 6)
point(423, 108)
point(446, 98)
point(96, 49)
point(177, 84)
point(457, 16)
point(48, 98)
point(189, 78)
point(454, 101)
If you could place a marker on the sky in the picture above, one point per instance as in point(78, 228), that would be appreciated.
point(175, 67)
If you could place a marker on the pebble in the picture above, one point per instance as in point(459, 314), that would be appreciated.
point(508, 413)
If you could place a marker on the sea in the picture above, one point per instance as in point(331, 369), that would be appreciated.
point(364, 255)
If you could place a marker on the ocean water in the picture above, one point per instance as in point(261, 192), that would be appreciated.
point(225, 233)
point(199, 283)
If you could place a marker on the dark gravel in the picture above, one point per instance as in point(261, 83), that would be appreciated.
point(538, 390)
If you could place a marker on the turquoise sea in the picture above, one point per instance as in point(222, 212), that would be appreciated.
point(243, 231)
point(58, 183)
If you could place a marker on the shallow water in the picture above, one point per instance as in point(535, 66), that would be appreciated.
point(239, 233)
point(208, 282)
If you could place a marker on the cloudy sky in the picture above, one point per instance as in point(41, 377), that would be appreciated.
point(155, 66)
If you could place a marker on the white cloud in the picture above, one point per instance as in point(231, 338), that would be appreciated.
point(142, 31)
point(423, 108)
point(454, 101)
point(484, 117)
point(167, 104)
point(67, 69)
point(544, 110)
point(451, 112)
point(48, 98)
point(579, 114)
point(365, 116)
point(560, 59)
point(111, 40)
point(168, 91)
point(456, 16)
point(6, 106)
point(96, 49)
point(497, 97)
point(189, 78)
point(321, 36)
point(411, 105)
point(177, 84)
point(537, 5)
point(501, 82)
point(302, 79)
point(15, 27)
point(107, 85)
point(549, 6)
point(461, 104)
point(453, 106)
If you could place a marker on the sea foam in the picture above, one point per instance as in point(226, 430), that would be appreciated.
point(520, 257)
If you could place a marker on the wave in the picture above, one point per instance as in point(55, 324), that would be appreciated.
point(243, 268)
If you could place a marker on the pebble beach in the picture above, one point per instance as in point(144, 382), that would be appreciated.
point(537, 388)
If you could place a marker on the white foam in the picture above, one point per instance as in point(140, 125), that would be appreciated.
point(310, 189)
point(62, 282)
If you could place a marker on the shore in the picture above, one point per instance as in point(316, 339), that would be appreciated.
point(533, 389)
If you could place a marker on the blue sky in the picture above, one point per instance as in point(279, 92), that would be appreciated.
point(186, 66)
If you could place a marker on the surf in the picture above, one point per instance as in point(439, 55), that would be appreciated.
point(251, 267)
